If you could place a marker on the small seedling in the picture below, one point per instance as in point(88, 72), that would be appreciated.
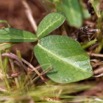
point(65, 55)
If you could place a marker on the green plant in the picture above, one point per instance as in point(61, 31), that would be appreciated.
point(62, 59)
point(66, 58)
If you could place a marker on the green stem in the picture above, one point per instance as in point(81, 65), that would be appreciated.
point(4, 73)
point(88, 44)
point(99, 34)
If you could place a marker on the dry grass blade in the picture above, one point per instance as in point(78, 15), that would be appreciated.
point(29, 15)
point(13, 56)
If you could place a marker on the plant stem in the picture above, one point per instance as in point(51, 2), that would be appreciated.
point(88, 44)
point(13, 70)
point(99, 34)
point(4, 73)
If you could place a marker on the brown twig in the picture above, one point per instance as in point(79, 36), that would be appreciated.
point(29, 15)
point(98, 72)
point(3, 90)
point(14, 57)
point(13, 70)
point(95, 55)
point(21, 61)
point(33, 68)
point(43, 73)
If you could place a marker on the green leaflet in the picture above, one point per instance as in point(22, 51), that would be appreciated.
point(73, 12)
point(16, 35)
point(65, 56)
point(51, 22)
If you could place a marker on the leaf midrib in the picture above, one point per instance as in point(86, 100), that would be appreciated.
point(59, 57)
point(49, 26)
